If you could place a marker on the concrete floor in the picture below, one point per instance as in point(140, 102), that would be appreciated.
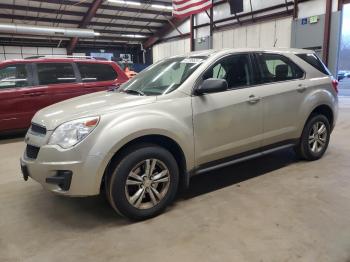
point(269, 209)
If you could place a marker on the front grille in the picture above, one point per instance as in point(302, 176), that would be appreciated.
point(32, 151)
point(35, 128)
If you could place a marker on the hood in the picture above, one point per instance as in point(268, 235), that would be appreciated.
point(88, 105)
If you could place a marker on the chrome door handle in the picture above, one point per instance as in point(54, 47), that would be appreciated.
point(253, 99)
point(301, 88)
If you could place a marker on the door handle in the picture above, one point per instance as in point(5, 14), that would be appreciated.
point(34, 94)
point(253, 99)
point(301, 88)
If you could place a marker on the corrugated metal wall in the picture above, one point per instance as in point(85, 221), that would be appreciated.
point(18, 52)
point(171, 48)
point(257, 35)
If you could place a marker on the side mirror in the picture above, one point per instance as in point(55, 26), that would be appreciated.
point(212, 85)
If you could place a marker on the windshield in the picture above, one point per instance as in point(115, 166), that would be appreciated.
point(163, 77)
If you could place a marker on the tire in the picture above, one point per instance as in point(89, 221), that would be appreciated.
point(314, 139)
point(143, 182)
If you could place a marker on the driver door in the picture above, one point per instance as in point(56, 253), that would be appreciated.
point(230, 122)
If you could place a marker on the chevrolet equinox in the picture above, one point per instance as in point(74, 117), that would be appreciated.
point(182, 116)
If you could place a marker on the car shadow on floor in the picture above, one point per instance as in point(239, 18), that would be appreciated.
point(92, 212)
point(12, 138)
point(238, 173)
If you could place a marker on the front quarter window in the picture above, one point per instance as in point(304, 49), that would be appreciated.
point(163, 77)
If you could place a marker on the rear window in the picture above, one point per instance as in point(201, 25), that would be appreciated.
point(14, 76)
point(55, 73)
point(96, 72)
point(276, 68)
point(313, 60)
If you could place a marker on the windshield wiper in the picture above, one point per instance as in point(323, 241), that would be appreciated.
point(132, 91)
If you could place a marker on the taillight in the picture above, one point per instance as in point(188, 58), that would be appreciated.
point(335, 85)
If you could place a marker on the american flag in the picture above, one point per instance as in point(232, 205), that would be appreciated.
point(182, 8)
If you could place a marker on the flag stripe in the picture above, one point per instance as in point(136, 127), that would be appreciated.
point(185, 2)
point(192, 10)
point(184, 7)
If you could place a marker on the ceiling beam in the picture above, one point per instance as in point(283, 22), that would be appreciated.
point(173, 22)
point(95, 5)
point(76, 13)
point(76, 22)
point(114, 7)
point(85, 4)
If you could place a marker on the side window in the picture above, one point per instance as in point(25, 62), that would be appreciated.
point(96, 72)
point(313, 60)
point(275, 68)
point(14, 76)
point(55, 73)
point(235, 69)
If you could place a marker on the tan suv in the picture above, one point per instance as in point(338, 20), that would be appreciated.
point(182, 116)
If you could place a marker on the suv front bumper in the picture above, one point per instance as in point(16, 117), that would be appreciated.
point(65, 176)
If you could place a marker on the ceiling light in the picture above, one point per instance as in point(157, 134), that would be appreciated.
point(162, 7)
point(134, 36)
point(97, 33)
point(124, 2)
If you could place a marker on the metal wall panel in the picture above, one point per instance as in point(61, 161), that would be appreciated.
point(253, 35)
point(217, 40)
point(227, 39)
point(240, 37)
point(267, 34)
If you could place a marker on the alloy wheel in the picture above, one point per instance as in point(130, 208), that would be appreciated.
point(147, 183)
point(318, 137)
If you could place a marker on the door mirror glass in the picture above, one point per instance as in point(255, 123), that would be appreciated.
point(212, 85)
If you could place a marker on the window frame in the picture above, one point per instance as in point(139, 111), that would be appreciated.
point(30, 79)
point(96, 81)
point(214, 63)
point(258, 66)
point(36, 75)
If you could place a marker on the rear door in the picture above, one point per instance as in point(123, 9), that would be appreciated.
point(60, 80)
point(96, 76)
point(282, 84)
point(19, 100)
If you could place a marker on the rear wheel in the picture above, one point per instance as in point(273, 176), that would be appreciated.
point(143, 183)
point(314, 139)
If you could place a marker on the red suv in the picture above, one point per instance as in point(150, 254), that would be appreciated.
point(31, 84)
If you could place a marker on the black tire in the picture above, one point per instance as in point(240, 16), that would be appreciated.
point(117, 192)
point(305, 149)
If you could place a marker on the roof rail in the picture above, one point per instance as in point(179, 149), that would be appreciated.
point(64, 56)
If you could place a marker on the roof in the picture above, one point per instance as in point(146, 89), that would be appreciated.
point(55, 60)
point(118, 23)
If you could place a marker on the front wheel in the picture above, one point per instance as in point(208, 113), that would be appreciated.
point(314, 139)
point(143, 183)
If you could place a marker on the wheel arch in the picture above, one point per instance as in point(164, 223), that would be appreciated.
point(156, 139)
point(323, 110)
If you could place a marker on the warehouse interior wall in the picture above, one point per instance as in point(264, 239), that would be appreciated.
point(279, 35)
point(276, 32)
point(20, 52)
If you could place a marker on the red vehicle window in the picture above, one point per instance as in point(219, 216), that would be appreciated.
point(14, 76)
point(96, 72)
point(55, 73)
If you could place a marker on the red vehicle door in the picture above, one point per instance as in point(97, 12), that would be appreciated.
point(99, 76)
point(60, 78)
point(19, 99)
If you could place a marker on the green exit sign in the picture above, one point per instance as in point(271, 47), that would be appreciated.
point(313, 19)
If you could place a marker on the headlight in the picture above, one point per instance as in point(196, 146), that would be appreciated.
point(71, 133)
